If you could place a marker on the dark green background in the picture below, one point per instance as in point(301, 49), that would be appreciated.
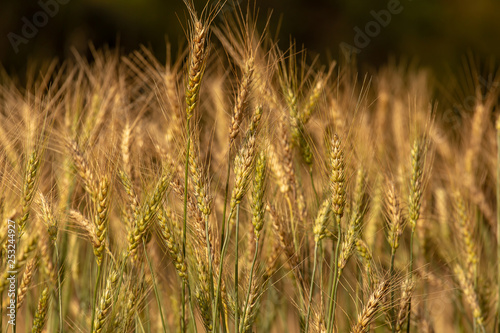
point(435, 33)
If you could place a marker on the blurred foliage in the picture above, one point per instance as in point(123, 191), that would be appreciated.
point(435, 33)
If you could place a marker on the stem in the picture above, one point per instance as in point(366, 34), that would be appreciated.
point(183, 306)
point(222, 250)
point(334, 303)
point(320, 272)
point(184, 229)
point(226, 193)
point(292, 223)
point(155, 288)
point(411, 275)
point(311, 289)
point(94, 302)
point(191, 310)
point(391, 273)
point(250, 283)
point(219, 280)
point(209, 256)
point(313, 187)
point(59, 296)
point(336, 277)
point(236, 314)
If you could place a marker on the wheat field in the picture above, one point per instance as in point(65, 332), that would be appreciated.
point(238, 187)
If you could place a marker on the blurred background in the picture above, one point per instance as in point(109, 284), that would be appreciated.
point(434, 33)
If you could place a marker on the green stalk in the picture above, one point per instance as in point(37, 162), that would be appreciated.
point(391, 273)
point(226, 193)
point(219, 280)
point(250, 281)
point(59, 296)
point(210, 268)
point(320, 272)
point(311, 289)
point(334, 303)
point(314, 187)
point(155, 288)
point(191, 310)
point(209, 256)
point(184, 228)
point(330, 279)
point(411, 276)
point(94, 301)
point(236, 315)
point(223, 236)
point(293, 224)
point(183, 309)
point(336, 277)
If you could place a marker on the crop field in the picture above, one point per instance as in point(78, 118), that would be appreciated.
point(240, 187)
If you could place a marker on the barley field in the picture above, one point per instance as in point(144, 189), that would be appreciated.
point(239, 187)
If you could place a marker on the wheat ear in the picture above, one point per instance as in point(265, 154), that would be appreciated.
point(21, 258)
point(172, 246)
point(84, 171)
point(370, 309)
point(147, 214)
point(41, 312)
point(29, 188)
point(241, 100)
point(407, 292)
point(357, 214)
point(467, 287)
point(29, 271)
point(414, 202)
point(338, 198)
point(101, 218)
point(105, 303)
